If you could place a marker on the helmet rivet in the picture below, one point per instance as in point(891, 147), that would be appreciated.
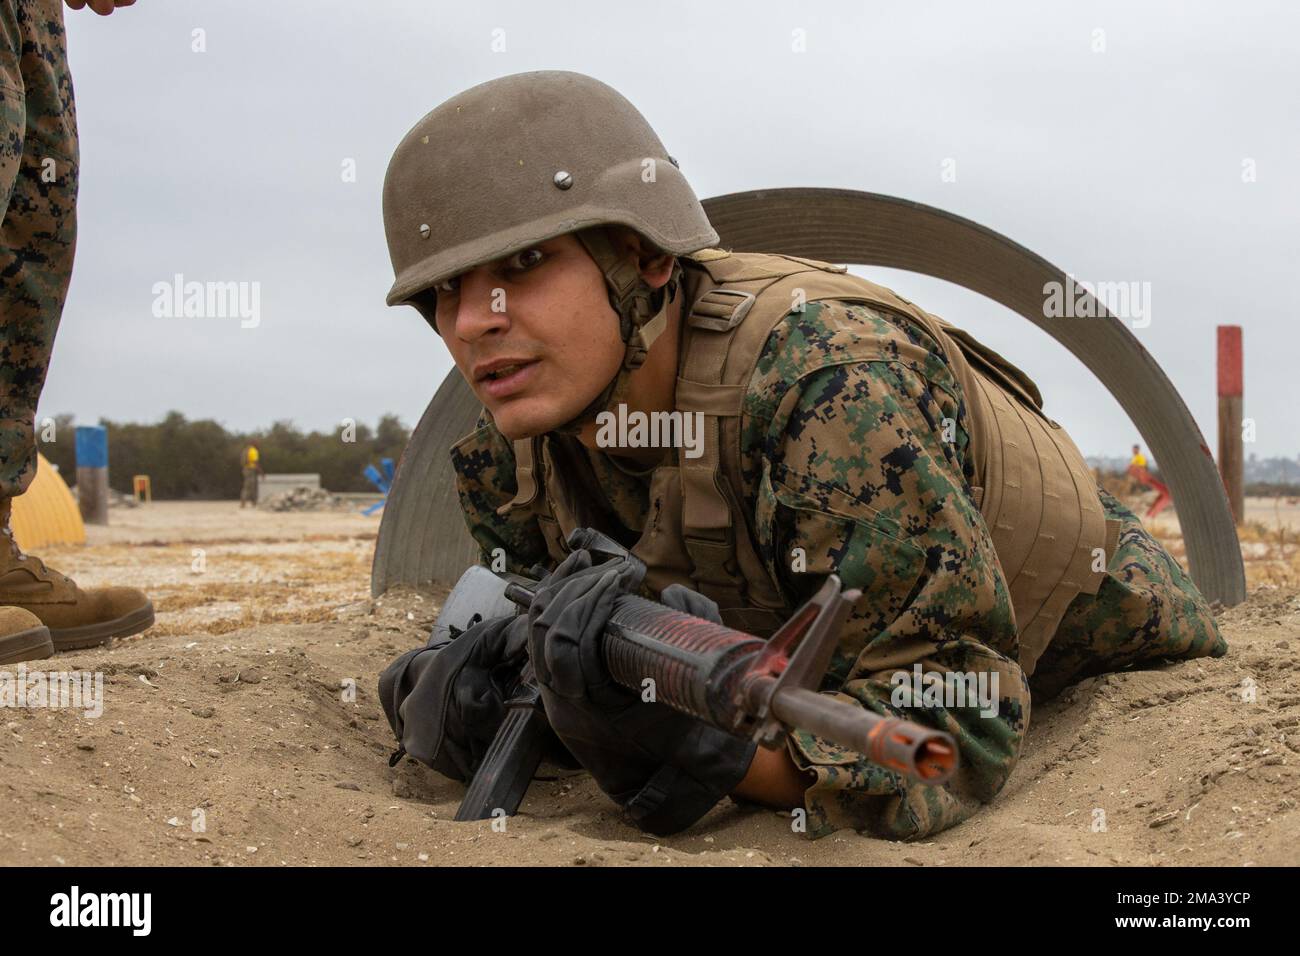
point(424, 230)
point(563, 180)
point(673, 160)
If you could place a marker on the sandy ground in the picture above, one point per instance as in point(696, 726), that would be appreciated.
point(229, 734)
point(1270, 513)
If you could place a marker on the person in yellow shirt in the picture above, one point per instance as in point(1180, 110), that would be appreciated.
point(252, 468)
point(1137, 470)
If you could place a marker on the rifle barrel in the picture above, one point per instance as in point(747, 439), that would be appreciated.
point(903, 746)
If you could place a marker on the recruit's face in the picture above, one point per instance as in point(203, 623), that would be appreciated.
point(533, 334)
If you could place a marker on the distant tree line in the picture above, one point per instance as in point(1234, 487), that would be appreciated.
point(1271, 489)
point(201, 459)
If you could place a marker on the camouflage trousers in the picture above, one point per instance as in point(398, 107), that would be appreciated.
point(1147, 608)
point(248, 492)
point(38, 196)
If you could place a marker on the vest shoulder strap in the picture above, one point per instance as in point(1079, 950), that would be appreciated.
point(526, 484)
point(738, 303)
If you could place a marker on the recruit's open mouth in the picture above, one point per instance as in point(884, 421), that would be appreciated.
point(501, 378)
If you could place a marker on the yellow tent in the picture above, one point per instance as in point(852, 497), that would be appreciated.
point(46, 513)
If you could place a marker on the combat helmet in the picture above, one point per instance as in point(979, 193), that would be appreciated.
point(525, 158)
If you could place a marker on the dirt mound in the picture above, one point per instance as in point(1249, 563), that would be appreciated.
point(250, 747)
point(244, 728)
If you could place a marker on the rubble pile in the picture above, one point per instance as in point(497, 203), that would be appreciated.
point(303, 498)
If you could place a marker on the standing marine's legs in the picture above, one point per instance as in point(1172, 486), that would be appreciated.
point(38, 232)
point(41, 610)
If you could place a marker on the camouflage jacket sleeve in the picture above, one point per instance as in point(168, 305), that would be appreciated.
point(484, 464)
point(862, 473)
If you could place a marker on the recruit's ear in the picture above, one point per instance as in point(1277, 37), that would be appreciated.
point(656, 266)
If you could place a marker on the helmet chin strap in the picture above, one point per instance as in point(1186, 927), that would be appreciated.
point(642, 315)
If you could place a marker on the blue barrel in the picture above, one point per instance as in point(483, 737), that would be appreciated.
point(92, 473)
point(92, 446)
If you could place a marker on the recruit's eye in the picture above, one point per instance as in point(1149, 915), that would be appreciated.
point(449, 286)
point(526, 258)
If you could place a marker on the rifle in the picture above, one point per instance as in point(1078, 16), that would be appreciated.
point(735, 681)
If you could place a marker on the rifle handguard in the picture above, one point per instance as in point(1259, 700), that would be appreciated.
point(742, 684)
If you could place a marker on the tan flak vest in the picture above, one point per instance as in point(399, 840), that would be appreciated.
point(1035, 491)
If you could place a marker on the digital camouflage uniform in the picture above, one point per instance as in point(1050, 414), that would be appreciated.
point(846, 460)
point(38, 195)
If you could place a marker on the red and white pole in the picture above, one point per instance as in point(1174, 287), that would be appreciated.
point(1230, 418)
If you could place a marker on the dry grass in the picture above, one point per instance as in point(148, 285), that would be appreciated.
point(1271, 554)
point(1270, 550)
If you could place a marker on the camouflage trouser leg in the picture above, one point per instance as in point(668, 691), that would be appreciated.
point(248, 493)
point(38, 228)
point(1147, 608)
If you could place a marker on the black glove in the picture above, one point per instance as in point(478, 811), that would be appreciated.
point(681, 598)
point(665, 768)
point(446, 701)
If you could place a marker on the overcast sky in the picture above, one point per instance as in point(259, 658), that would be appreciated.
point(1126, 164)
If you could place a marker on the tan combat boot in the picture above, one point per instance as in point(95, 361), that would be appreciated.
point(22, 636)
point(75, 618)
